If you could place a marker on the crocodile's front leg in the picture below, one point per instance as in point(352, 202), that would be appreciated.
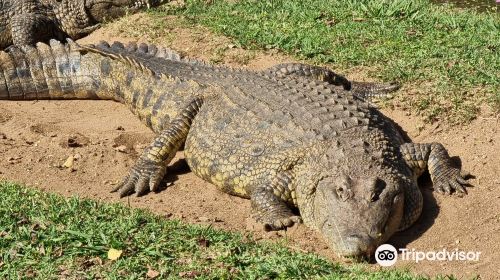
point(151, 167)
point(435, 158)
point(445, 177)
point(270, 204)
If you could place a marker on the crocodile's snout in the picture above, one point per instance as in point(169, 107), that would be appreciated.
point(358, 245)
point(355, 245)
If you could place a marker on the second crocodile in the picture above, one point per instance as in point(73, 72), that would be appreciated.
point(30, 21)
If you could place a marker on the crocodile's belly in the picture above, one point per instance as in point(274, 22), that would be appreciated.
point(232, 149)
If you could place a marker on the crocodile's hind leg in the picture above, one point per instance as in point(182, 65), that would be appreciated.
point(28, 29)
point(79, 32)
point(363, 90)
point(151, 167)
point(371, 91)
point(305, 70)
point(434, 157)
point(270, 204)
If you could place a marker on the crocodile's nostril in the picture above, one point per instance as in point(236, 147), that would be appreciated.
point(354, 246)
point(357, 245)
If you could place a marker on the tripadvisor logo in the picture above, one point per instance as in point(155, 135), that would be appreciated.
point(387, 255)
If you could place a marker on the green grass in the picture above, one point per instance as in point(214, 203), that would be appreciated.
point(448, 58)
point(45, 236)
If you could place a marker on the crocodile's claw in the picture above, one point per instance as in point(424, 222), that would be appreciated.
point(452, 180)
point(145, 176)
point(282, 223)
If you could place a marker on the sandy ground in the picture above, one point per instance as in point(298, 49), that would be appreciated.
point(104, 139)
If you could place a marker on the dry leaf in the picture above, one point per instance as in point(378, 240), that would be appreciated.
point(69, 162)
point(152, 273)
point(121, 149)
point(114, 254)
point(41, 249)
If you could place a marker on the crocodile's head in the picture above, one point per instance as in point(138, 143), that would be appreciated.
point(353, 198)
point(103, 10)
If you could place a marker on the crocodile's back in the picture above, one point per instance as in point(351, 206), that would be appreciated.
point(251, 124)
point(311, 109)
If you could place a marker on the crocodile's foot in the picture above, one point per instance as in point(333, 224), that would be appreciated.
point(279, 222)
point(271, 210)
point(146, 175)
point(452, 180)
point(89, 29)
point(282, 223)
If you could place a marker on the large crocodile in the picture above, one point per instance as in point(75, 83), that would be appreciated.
point(30, 21)
point(301, 148)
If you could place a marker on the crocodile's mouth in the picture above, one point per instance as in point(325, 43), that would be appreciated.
point(104, 10)
point(107, 4)
point(141, 4)
point(124, 4)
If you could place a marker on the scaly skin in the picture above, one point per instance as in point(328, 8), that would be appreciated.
point(285, 142)
point(363, 90)
point(150, 55)
point(29, 21)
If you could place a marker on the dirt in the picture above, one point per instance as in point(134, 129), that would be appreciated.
point(84, 148)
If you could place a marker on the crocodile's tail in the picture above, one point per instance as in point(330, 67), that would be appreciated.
point(146, 53)
point(47, 72)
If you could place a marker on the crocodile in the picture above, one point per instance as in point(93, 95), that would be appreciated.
point(30, 21)
point(291, 138)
